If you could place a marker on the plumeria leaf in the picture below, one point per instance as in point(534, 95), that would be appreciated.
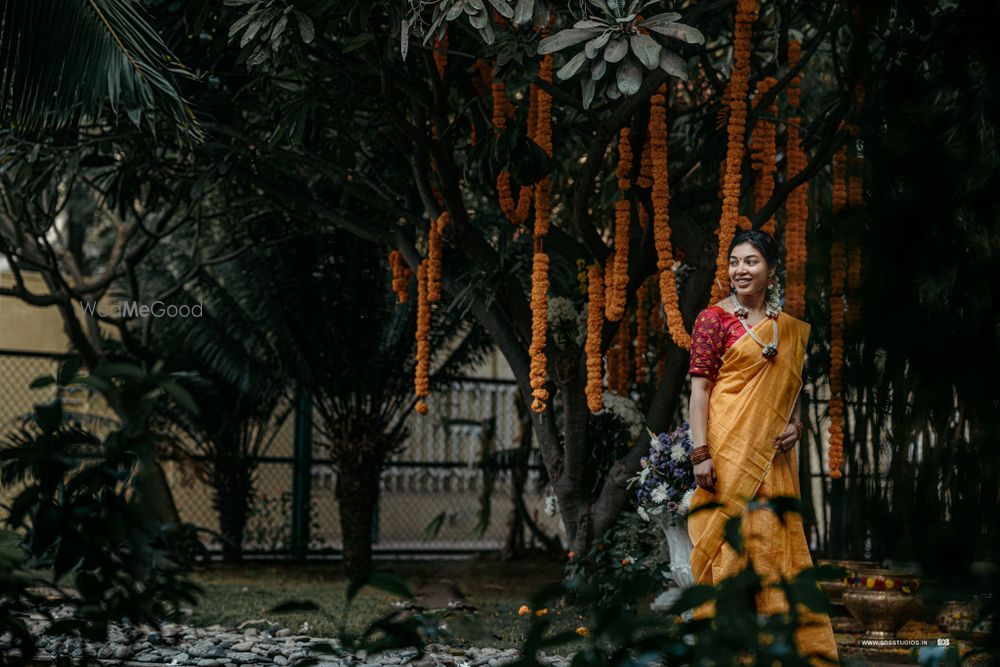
point(573, 66)
point(523, 11)
point(565, 38)
point(590, 23)
point(616, 50)
point(673, 64)
point(589, 87)
point(646, 49)
point(684, 33)
point(595, 45)
point(504, 9)
point(598, 69)
point(660, 19)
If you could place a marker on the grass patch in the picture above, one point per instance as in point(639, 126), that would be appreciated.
point(495, 589)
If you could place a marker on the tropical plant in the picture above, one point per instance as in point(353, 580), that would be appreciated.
point(619, 43)
point(86, 60)
point(80, 535)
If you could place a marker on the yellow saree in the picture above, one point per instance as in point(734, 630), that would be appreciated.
point(751, 401)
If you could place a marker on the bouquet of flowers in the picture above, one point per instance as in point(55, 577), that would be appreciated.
point(665, 482)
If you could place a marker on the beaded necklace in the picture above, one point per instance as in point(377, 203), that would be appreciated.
point(770, 350)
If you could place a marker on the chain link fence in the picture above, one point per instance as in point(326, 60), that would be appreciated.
point(434, 494)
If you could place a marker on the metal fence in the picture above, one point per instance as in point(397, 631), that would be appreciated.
point(430, 494)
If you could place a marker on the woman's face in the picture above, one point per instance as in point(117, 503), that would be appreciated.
point(748, 271)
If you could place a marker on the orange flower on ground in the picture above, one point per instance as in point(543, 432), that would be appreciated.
point(525, 610)
point(582, 631)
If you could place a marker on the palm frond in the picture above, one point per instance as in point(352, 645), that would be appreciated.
point(62, 61)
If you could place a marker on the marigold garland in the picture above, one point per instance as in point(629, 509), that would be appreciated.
point(401, 274)
point(422, 377)
point(434, 257)
point(661, 219)
point(746, 14)
point(539, 319)
point(797, 203)
point(763, 150)
point(855, 199)
point(641, 333)
point(540, 261)
point(516, 212)
point(441, 54)
point(595, 321)
point(645, 179)
point(837, 269)
point(622, 365)
point(618, 285)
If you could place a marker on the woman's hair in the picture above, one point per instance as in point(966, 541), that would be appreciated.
point(762, 241)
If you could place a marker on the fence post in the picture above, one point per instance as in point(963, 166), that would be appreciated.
point(302, 474)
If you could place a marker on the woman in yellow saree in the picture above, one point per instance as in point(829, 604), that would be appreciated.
point(746, 368)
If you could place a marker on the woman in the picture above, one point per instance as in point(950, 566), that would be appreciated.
point(746, 368)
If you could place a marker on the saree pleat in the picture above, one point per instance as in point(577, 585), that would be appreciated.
point(751, 401)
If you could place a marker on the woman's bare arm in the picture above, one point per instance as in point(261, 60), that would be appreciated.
point(701, 389)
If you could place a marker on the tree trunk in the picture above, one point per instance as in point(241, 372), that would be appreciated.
point(357, 496)
point(232, 481)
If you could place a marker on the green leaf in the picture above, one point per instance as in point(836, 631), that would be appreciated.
point(41, 381)
point(595, 45)
point(565, 38)
point(307, 31)
point(181, 395)
point(661, 19)
point(49, 415)
point(68, 369)
point(356, 42)
point(629, 77)
point(673, 64)
point(589, 86)
point(523, 12)
point(111, 369)
point(616, 50)
point(384, 581)
point(572, 66)
point(646, 49)
point(504, 9)
point(598, 69)
point(684, 33)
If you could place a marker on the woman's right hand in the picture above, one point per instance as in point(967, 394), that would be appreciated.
point(704, 473)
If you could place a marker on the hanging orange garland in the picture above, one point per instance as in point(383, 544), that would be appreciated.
point(746, 14)
point(434, 257)
point(837, 270)
point(763, 150)
point(595, 321)
point(797, 204)
point(645, 179)
point(422, 378)
point(540, 261)
point(516, 212)
point(661, 219)
point(401, 274)
point(641, 333)
point(622, 365)
point(855, 199)
point(618, 284)
point(441, 53)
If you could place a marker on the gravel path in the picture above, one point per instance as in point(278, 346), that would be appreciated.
point(177, 645)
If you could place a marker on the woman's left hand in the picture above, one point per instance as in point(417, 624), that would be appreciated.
point(785, 441)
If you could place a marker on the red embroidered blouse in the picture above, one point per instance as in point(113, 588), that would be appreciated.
point(715, 331)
